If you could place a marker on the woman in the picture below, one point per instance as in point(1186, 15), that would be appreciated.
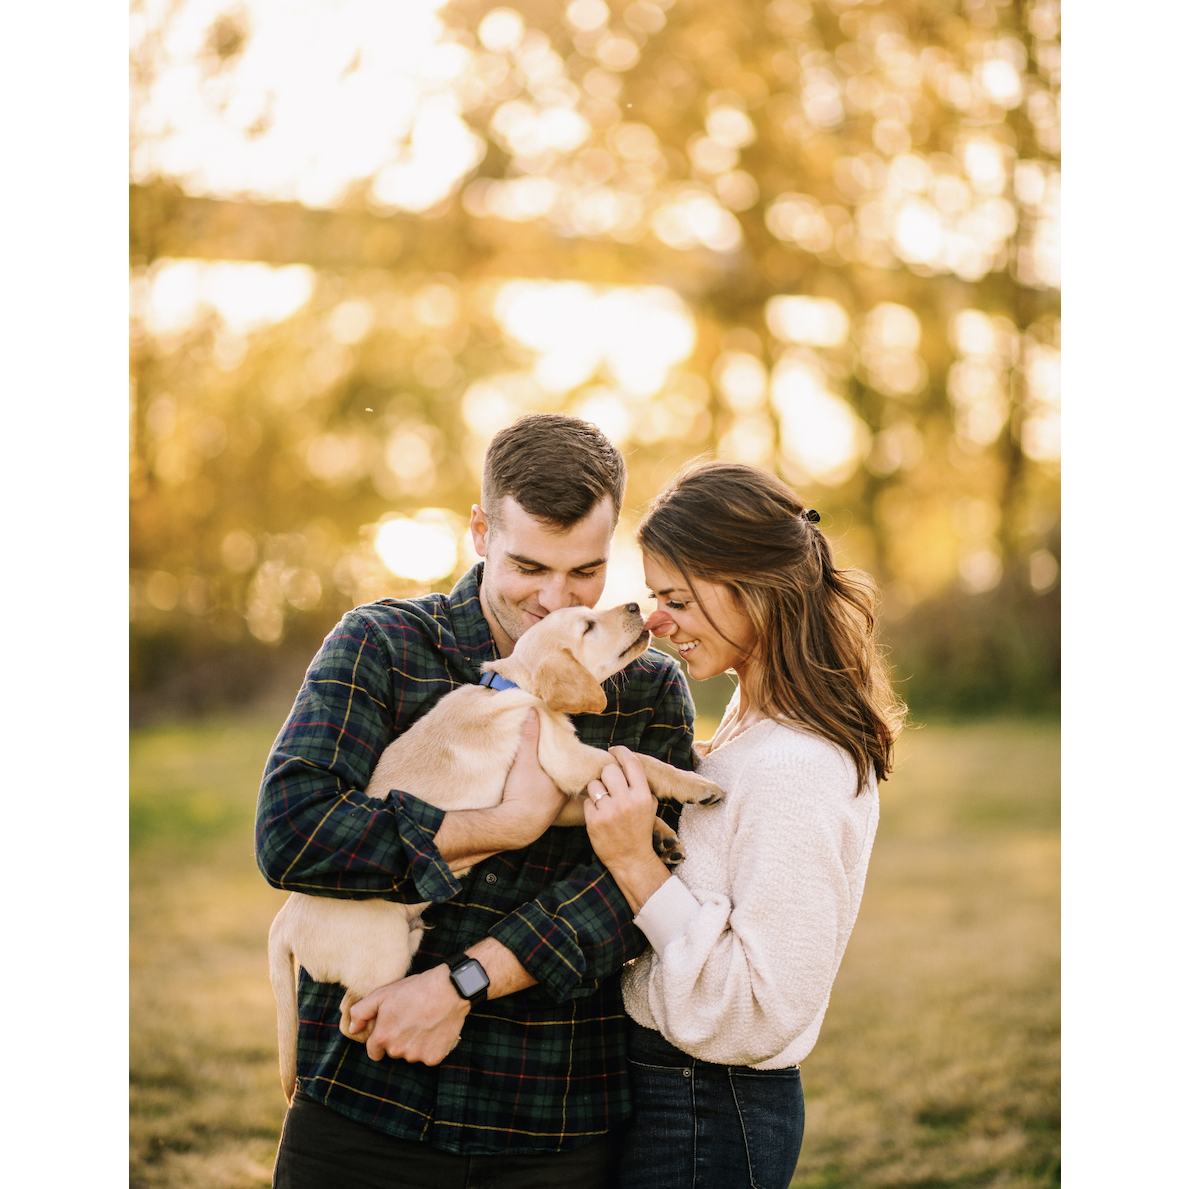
point(748, 936)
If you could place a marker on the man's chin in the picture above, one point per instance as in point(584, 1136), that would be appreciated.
point(516, 621)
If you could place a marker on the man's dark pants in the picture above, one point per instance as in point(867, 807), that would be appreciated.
point(321, 1149)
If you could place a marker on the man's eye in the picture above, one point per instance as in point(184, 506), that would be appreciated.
point(585, 574)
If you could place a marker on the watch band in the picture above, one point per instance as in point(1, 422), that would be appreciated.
point(467, 987)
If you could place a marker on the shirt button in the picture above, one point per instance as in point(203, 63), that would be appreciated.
point(687, 1073)
point(490, 877)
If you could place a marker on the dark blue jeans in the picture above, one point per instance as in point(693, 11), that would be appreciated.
point(696, 1125)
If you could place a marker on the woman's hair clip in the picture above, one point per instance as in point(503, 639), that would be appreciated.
point(811, 515)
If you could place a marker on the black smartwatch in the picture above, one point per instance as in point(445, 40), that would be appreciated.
point(468, 976)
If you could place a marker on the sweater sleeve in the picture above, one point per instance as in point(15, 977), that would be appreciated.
point(667, 913)
point(750, 972)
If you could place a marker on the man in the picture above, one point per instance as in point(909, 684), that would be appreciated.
point(503, 1065)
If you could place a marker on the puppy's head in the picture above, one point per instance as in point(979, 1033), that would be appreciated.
point(564, 659)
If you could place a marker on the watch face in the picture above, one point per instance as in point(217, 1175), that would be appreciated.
point(469, 978)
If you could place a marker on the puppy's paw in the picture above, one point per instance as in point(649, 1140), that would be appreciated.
point(667, 845)
point(345, 1020)
point(693, 790)
point(361, 1035)
point(709, 793)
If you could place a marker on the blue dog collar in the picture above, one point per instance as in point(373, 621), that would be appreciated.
point(493, 680)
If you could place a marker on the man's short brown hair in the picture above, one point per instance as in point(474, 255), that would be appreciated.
point(557, 468)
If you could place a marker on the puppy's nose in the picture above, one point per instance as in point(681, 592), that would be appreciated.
point(633, 608)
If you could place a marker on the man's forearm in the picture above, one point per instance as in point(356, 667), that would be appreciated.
point(503, 968)
point(468, 836)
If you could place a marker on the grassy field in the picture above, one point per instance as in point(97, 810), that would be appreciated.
point(937, 1066)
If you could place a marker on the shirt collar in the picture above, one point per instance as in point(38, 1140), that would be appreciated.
point(471, 632)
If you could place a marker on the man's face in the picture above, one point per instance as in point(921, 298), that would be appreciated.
point(530, 570)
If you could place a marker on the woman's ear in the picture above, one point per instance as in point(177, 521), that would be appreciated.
point(563, 684)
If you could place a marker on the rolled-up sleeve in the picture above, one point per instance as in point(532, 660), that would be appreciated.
point(576, 933)
point(317, 831)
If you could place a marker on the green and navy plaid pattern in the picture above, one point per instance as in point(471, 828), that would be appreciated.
point(543, 1070)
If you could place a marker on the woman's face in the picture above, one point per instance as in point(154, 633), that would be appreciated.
point(706, 651)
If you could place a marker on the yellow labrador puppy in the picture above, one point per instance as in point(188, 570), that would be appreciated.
point(458, 757)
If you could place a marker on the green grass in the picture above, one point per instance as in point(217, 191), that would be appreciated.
point(938, 1062)
point(937, 1067)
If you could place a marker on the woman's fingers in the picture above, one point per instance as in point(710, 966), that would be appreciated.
point(613, 779)
point(619, 815)
point(630, 769)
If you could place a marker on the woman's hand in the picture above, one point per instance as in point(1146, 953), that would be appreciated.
point(619, 818)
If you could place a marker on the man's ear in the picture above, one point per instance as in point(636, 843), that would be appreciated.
point(563, 684)
point(480, 530)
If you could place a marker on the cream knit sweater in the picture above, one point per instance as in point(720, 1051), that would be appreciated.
point(746, 943)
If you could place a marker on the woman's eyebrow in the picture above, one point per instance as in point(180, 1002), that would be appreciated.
point(667, 591)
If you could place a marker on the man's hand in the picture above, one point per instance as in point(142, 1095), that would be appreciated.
point(531, 799)
point(531, 802)
point(419, 1018)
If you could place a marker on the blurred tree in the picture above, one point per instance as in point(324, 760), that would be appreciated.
point(817, 237)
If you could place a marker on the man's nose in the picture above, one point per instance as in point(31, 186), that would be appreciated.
point(555, 594)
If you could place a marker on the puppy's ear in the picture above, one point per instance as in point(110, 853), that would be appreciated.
point(563, 684)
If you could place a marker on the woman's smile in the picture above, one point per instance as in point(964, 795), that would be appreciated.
point(713, 632)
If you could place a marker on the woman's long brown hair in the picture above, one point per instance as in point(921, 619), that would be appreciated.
point(817, 661)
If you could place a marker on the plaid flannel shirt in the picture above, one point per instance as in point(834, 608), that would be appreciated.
point(542, 1070)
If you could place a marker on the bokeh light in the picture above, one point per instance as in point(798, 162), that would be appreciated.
point(820, 435)
point(305, 100)
point(815, 321)
point(636, 334)
point(246, 296)
point(424, 548)
point(366, 237)
point(742, 379)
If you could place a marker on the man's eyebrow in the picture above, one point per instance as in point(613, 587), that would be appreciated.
point(520, 559)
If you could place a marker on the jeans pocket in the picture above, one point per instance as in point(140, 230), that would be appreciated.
point(658, 1151)
point(771, 1106)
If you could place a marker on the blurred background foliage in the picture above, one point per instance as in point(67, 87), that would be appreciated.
point(818, 237)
